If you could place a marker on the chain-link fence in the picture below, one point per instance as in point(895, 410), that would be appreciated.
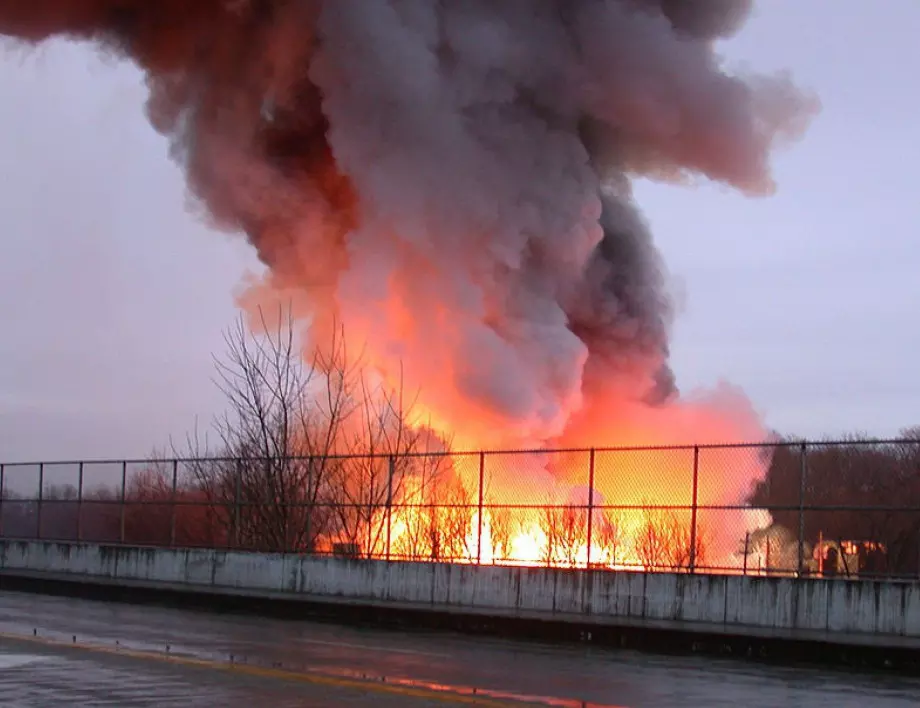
point(817, 509)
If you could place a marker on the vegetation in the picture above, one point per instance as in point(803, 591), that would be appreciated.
point(850, 492)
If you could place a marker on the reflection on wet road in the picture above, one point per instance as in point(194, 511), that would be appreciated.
point(35, 674)
point(318, 664)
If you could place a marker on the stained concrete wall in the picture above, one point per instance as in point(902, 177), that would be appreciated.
point(857, 612)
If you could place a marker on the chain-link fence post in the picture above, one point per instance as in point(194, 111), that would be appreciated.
point(373, 500)
point(479, 512)
point(41, 497)
point(121, 510)
point(694, 506)
point(172, 505)
point(918, 554)
point(2, 494)
point(391, 471)
point(237, 512)
point(803, 472)
point(80, 503)
point(311, 509)
point(590, 531)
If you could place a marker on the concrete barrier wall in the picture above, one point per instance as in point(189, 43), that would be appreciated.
point(860, 612)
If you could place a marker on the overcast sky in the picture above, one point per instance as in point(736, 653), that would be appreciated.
point(113, 298)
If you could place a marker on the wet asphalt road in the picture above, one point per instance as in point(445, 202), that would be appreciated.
point(412, 664)
point(36, 677)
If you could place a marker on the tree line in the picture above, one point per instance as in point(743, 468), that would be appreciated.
point(855, 497)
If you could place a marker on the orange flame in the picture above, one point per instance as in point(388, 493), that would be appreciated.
point(534, 507)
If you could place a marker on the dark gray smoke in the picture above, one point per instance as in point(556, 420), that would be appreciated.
point(450, 178)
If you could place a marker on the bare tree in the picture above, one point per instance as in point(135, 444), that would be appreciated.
point(313, 453)
point(650, 542)
point(566, 529)
point(386, 461)
point(432, 516)
point(452, 522)
point(664, 541)
point(608, 536)
point(504, 523)
point(279, 438)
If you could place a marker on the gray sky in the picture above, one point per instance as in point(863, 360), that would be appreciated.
point(113, 298)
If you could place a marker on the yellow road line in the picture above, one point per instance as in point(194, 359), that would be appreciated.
point(311, 677)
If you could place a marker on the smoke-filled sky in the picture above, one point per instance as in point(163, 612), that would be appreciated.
point(114, 296)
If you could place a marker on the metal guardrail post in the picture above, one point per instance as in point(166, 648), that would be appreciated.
point(482, 476)
point(590, 507)
point(803, 471)
point(80, 503)
point(694, 506)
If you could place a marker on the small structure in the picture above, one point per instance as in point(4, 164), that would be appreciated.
point(849, 558)
point(346, 550)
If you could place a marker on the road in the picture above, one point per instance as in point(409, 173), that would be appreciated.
point(58, 651)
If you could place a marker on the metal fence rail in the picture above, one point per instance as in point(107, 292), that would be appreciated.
point(808, 509)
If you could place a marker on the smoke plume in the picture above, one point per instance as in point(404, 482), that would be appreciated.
point(450, 179)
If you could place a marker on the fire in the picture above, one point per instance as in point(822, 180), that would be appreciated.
point(623, 507)
point(626, 503)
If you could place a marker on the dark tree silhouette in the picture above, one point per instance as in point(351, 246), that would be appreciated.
point(853, 491)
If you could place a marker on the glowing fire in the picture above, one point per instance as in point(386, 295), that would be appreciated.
point(535, 506)
point(638, 482)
